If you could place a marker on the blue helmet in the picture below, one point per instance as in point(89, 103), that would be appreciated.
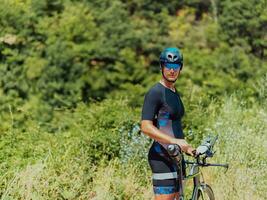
point(171, 55)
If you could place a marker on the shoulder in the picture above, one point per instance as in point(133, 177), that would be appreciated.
point(155, 91)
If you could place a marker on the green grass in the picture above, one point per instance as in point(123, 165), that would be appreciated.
point(85, 157)
point(243, 144)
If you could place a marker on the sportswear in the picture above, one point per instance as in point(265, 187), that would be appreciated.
point(165, 108)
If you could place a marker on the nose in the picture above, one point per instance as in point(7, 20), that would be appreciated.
point(172, 70)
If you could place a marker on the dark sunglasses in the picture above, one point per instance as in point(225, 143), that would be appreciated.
point(174, 66)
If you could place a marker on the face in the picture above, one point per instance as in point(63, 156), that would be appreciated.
point(171, 74)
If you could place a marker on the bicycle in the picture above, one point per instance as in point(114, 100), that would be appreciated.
point(201, 191)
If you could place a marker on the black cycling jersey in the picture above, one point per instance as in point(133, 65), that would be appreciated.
point(165, 108)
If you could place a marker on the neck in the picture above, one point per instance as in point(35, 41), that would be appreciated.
point(167, 83)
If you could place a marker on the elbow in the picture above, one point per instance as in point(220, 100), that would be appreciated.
point(145, 127)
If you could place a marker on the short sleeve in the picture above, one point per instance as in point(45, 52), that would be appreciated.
point(151, 105)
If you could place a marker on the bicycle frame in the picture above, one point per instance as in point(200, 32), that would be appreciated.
point(195, 174)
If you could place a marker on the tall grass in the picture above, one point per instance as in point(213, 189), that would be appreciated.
point(35, 164)
point(118, 181)
point(243, 144)
point(68, 164)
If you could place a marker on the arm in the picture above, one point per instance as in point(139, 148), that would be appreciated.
point(153, 132)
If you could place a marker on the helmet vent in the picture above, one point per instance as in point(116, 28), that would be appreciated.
point(171, 55)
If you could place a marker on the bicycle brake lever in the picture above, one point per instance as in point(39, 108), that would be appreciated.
point(209, 154)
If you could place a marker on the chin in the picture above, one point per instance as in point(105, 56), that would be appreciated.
point(172, 79)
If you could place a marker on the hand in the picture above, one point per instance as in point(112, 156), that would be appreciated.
point(191, 151)
point(185, 147)
point(182, 144)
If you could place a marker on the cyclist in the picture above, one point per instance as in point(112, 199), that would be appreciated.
point(161, 120)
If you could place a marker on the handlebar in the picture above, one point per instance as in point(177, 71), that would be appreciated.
point(202, 164)
point(205, 149)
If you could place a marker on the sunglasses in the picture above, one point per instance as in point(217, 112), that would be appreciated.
point(174, 66)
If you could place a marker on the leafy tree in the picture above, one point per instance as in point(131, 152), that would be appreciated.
point(245, 22)
point(54, 54)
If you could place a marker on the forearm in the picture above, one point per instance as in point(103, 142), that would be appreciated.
point(156, 134)
point(153, 132)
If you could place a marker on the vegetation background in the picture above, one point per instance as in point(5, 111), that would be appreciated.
point(73, 74)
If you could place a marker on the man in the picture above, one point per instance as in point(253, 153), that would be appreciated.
point(161, 120)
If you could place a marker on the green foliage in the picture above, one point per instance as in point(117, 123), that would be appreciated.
point(244, 24)
point(65, 52)
point(85, 156)
point(73, 79)
point(82, 138)
point(242, 137)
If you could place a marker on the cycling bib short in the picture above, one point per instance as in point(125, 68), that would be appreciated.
point(165, 108)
